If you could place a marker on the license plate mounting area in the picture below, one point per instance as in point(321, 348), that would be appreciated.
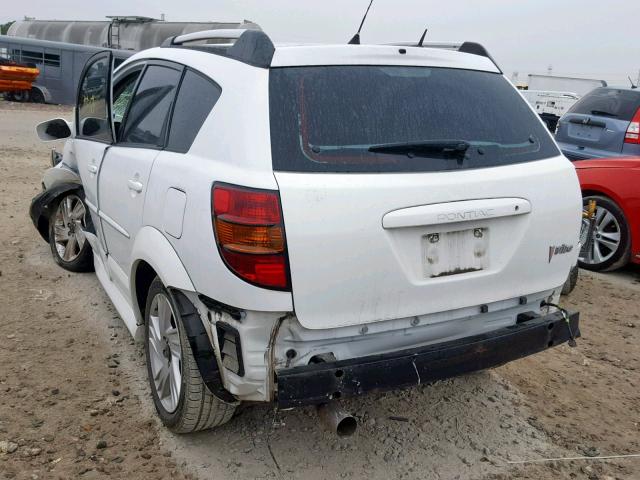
point(456, 252)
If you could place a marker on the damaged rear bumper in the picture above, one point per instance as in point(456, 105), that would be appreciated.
point(320, 383)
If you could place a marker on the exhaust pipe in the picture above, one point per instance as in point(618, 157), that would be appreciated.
point(336, 419)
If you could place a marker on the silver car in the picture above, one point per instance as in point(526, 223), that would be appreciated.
point(604, 123)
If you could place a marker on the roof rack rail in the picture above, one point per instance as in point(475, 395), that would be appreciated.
point(463, 47)
point(252, 47)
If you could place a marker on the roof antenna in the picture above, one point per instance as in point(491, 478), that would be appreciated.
point(422, 37)
point(633, 85)
point(356, 38)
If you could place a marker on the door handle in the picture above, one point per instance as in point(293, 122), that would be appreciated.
point(92, 168)
point(135, 185)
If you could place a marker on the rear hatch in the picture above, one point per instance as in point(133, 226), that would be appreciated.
point(599, 121)
point(411, 190)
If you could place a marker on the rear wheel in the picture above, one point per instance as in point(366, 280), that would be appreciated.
point(37, 96)
point(67, 240)
point(608, 244)
point(182, 400)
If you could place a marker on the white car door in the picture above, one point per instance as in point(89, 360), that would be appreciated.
point(125, 171)
point(93, 126)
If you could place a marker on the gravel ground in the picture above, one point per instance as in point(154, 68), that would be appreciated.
point(74, 402)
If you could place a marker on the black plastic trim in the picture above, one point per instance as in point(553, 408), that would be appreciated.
point(220, 307)
point(322, 382)
point(477, 49)
point(253, 47)
point(222, 328)
point(589, 122)
point(201, 347)
point(39, 210)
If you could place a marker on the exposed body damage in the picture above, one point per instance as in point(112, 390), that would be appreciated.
point(320, 383)
point(275, 348)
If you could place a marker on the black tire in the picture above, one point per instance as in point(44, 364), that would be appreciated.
point(83, 260)
point(571, 282)
point(21, 96)
point(622, 254)
point(37, 96)
point(197, 408)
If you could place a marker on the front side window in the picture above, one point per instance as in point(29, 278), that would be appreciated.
point(148, 116)
point(93, 112)
point(399, 119)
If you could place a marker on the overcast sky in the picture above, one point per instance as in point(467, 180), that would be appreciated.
point(578, 38)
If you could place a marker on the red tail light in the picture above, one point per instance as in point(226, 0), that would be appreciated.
point(633, 132)
point(250, 234)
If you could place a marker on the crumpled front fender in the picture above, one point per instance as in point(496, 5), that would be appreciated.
point(40, 209)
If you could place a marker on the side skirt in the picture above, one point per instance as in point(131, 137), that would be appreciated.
point(122, 306)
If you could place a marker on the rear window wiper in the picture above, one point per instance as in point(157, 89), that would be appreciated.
point(452, 147)
point(603, 113)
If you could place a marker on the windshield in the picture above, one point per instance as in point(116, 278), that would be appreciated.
point(379, 119)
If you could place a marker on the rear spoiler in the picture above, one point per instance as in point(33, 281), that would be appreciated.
point(249, 46)
point(472, 48)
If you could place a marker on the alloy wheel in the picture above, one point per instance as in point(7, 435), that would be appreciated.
point(165, 354)
point(68, 229)
point(605, 237)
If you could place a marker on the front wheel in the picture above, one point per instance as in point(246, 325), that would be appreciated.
point(67, 224)
point(182, 400)
point(606, 246)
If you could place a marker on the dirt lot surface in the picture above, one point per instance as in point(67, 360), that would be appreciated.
point(74, 401)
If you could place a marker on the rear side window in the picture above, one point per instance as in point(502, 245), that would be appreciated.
point(609, 102)
point(148, 116)
point(361, 119)
point(196, 98)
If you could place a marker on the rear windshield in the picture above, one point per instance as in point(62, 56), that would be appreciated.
point(399, 119)
point(609, 102)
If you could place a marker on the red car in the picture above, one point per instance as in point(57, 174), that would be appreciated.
point(614, 183)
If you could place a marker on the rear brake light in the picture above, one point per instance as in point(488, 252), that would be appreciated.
point(250, 234)
point(633, 132)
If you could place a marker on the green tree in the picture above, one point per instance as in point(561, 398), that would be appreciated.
point(4, 28)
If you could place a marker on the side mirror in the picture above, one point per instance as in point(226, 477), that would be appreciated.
point(91, 125)
point(56, 129)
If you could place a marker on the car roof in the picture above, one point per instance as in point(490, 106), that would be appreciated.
point(316, 55)
point(255, 48)
point(325, 55)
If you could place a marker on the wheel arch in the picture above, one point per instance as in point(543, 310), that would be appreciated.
point(44, 91)
point(594, 190)
point(152, 255)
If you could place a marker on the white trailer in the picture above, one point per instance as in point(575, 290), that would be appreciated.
point(550, 105)
point(552, 83)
